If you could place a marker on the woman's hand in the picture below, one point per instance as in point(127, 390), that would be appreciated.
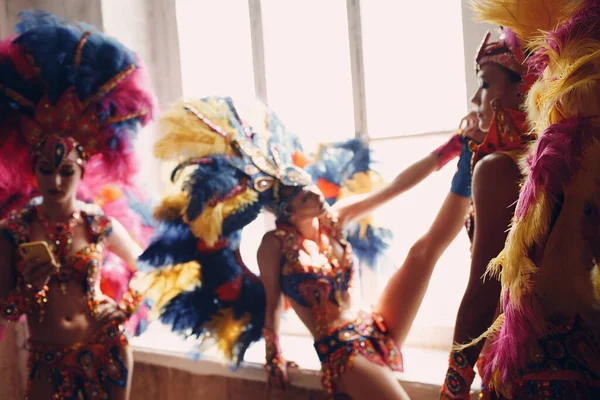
point(108, 311)
point(469, 126)
point(277, 373)
point(37, 273)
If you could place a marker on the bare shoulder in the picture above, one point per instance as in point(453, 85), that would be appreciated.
point(496, 173)
point(270, 243)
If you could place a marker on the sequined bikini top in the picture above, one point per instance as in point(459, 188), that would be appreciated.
point(310, 277)
point(81, 266)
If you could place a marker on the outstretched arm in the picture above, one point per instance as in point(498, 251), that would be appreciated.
point(269, 260)
point(356, 206)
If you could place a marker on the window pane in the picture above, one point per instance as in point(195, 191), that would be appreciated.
point(414, 66)
point(216, 49)
point(308, 68)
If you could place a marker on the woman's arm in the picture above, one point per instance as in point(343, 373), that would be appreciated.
point(123, 245)
point(495, 191)
point(357, 206)
point(269, 264)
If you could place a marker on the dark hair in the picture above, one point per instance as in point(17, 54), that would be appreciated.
point(513, 77)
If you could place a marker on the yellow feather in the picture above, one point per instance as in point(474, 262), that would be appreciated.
point(208, 225)
point(172, 207)
point(525, 17)
point(501, 388)
point(187, 136)
point(224, 330)
point(164, 284)
point(491, 332)
point(361, 183)
point(571, 83)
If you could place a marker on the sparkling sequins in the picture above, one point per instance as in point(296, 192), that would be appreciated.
point(362, 336)
point(84, 368)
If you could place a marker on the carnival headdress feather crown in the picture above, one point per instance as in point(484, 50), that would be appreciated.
point(72, 83)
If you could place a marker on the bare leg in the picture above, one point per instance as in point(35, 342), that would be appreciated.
point(115, 392)
point(402, 296)
point(369, 381)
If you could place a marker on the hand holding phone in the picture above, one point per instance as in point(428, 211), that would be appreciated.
point(40, 264)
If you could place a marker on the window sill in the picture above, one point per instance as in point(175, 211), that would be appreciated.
point(425, 368)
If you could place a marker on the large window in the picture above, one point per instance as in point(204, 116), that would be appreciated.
point(414, 66)
point(216, 49)
point(308, 67)
point(399, 66)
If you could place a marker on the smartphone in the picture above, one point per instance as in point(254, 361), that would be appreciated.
point(36, 250)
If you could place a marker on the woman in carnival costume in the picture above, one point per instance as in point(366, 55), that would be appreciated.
point(71, 99)
point(545, 343)
point(504, 81)
point(199, 282)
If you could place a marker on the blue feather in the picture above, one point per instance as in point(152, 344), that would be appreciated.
point(209, 181)
point(143, 209)
point(218, 267)
point(286, 142)
point(242, 218)
point(53, 42)
point(12, 79)
point(173, 243)
point(190, 310)
point(253, 301)
point(340, 161)
point(372, 247)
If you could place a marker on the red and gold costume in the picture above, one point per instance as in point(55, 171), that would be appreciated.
point(317, 280)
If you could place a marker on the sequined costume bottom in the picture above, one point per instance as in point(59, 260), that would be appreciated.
point(366, 336)
point(563, 365)
point(81, 370)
